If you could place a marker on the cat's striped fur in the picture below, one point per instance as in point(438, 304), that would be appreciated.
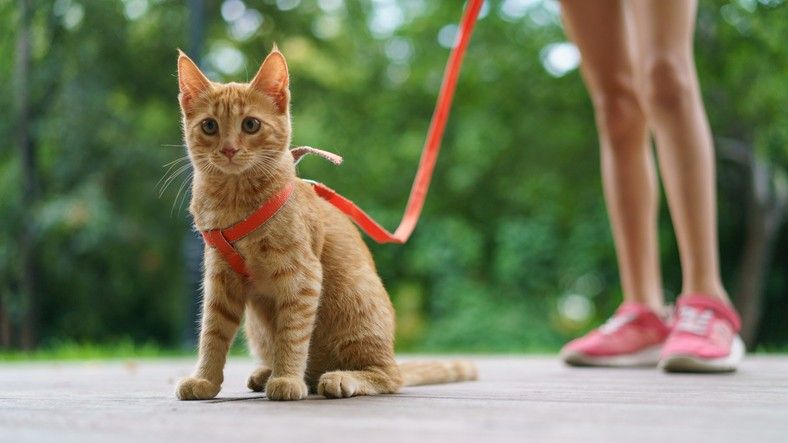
point(315, 310)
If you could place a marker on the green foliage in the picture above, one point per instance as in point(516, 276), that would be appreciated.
point(514, 230)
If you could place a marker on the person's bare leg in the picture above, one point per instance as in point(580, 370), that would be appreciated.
point(599, 29)
point(683, 138)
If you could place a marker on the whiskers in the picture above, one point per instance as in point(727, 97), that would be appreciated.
point(180, 168)
point(175, 169)
point(263, 165)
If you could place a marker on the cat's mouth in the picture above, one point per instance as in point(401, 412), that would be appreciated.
point(231, 165)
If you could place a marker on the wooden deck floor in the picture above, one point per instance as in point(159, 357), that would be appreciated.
point(518, 399)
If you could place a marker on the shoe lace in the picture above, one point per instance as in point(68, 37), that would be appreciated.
point(694, 320)
point(616, 322)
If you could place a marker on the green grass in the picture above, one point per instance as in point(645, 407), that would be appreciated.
point(123, 349)
point(91, 351)
point(126, 349)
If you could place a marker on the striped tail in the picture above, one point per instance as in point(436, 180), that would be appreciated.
point(435, 372)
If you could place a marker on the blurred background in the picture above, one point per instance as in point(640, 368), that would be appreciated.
point(513, 252)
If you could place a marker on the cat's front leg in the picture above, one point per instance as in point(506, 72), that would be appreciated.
point(221, 314)
point(296, 307)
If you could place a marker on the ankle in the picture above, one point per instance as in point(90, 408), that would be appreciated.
point(716, 292)
point(653, 303)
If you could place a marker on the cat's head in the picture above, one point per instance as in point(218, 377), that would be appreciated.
point(234, 128)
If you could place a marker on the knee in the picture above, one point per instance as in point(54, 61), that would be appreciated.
point(619, 115)
point(668, 83)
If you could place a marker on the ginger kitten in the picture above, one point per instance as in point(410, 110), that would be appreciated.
point(316, 312)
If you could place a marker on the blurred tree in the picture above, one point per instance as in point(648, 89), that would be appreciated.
point(752, 139)
point(24, 331)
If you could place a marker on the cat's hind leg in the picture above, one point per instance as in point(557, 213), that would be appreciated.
point(342, 384)
point(363, 354)
point(367, 368)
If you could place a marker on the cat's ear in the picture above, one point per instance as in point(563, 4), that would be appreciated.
point(273, 79)
point(191, 81)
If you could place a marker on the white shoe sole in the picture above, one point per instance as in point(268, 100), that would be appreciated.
point(647, 357)
point(687, 363)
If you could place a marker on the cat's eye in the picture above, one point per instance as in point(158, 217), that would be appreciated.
point(209, 126)
point(250, 125)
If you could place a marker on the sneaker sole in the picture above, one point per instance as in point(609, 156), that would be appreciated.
point(647, 357)
point(688, 363)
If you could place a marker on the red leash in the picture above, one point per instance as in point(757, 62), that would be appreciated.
point(222, 239)
point(432, 146)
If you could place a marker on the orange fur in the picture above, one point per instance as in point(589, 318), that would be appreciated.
point(316, 312)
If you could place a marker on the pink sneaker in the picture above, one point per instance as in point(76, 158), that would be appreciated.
point(633, 336)
point(705, 337)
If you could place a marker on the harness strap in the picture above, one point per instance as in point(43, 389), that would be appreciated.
point(361, 218)
point(299, 153)
point(221, 239)
point(216, 239)
point(259, 217)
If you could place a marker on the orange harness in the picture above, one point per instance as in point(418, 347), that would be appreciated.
point(222, 239)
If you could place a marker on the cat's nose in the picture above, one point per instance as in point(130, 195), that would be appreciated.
point(229, 152)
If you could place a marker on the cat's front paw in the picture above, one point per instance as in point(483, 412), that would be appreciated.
point(192, 388)
point(285, 388)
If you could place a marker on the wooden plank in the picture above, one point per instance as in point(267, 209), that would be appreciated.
point(516, 399)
